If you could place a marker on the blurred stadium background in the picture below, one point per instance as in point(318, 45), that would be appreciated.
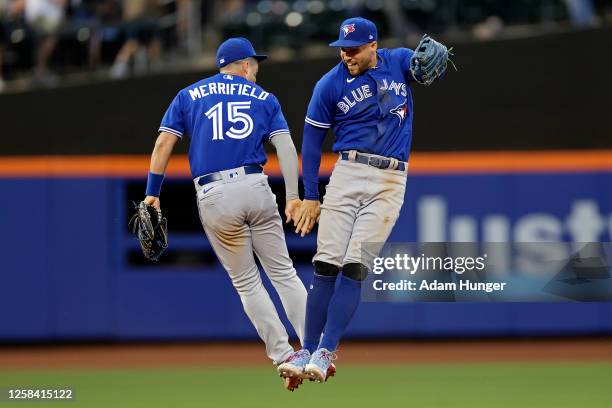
point(515, 146)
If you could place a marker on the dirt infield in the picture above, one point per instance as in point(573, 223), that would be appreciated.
point(215, 354)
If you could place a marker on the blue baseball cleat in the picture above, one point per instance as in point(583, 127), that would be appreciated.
point(293, 368)
point(320, 366)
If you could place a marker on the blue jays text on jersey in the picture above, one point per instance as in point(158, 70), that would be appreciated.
point(372, 112)
point(228, 118)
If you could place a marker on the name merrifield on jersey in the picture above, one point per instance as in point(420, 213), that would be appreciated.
point(222, 88)
point(364, 92)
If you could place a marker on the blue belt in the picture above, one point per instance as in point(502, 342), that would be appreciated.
point(209, 178)
point(377, 162)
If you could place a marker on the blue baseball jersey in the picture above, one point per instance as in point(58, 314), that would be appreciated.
point(228, 118)
point(372, 112)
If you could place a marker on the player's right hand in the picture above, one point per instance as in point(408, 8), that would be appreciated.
point(308, 214)
point(154, 201)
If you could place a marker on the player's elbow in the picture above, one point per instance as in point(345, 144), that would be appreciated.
point(165, 141)
point(283, 144)
point(288, 150)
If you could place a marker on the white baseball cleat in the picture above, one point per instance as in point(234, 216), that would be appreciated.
point(318, 369)
point(294, 365)
point(292, 369)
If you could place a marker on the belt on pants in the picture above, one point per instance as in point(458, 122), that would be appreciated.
point(209, 178)
point(378, 162)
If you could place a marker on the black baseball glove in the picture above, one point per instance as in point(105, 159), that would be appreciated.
point(429, 60)
point(151, 229)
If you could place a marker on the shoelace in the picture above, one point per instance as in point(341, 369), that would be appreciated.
point(295, 356)
point(450, 60)
point(329, 356)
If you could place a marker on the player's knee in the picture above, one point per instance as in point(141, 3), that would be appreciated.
point(355, 271)
point(326, 269)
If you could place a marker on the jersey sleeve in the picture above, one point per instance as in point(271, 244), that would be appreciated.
point(403, 56)
point(278, 123)
point(173, 122)
point(312, 143)
point(321, 107)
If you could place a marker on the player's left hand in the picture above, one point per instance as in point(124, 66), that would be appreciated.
point(309, 214)
point(151, 230)
point(429, 60)
point(291, 207)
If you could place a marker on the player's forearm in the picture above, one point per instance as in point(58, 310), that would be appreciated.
point(161, 153)
point(159, 161)
point(288, 161)
point(311, 160)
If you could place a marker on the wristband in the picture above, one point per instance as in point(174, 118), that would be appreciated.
point(154, 183)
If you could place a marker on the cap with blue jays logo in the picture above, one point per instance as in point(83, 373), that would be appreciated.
point(235, 49)
point(355, 32)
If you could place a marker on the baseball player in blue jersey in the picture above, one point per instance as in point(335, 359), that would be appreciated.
point(228, 117)
point(366, 100)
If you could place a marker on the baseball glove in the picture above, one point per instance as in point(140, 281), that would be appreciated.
point(151, 229)
point(429, 60)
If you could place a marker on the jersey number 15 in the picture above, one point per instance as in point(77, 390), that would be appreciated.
point(234, 115)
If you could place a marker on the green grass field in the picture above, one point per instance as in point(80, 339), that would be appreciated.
point(495, 385)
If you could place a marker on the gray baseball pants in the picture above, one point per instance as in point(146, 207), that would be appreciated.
point(240, 217)
point(361, 204)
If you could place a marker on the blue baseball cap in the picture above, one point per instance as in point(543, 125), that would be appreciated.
point(235, 49)
point(355, 32)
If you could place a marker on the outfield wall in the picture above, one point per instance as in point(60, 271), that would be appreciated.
point(72, 271)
